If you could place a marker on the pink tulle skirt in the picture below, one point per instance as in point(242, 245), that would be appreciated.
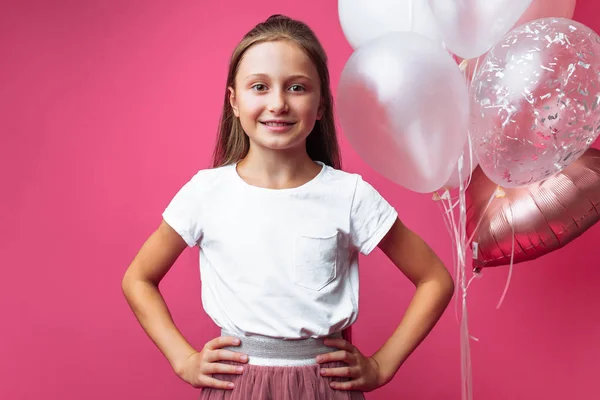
point(280, 370)
point(279, 383)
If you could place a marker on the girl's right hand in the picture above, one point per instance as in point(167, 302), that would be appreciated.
point(198, 369)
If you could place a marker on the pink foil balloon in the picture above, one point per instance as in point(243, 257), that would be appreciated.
point(544, 216)
point(535, 101)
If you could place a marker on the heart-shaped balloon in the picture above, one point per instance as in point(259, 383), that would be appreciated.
point(469, 28)
point(539, 218)
point(548, 8)
point(363, 20)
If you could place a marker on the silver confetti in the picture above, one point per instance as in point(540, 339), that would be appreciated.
point(536, 99)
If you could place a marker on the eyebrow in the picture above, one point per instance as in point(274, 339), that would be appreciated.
point(265, 76)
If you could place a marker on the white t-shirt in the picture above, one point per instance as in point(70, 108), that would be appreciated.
point(280, 262)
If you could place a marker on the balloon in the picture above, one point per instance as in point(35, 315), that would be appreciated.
point(469, 164)
point(537, 9)
point(403, 104)
point(469, 28)
point(548, 8)
point(469, 157)
point(363, 20)
point(545, 216)
point(535, 101)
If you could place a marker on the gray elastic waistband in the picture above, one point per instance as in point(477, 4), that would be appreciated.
point(268, 351)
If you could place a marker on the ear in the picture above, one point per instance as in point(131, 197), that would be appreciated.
point(233, 101)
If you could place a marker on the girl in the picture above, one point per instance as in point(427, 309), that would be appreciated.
point(279, 228)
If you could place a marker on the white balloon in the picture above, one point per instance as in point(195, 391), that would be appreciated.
point(363, 20)
point(403, 105)
point(469, 28)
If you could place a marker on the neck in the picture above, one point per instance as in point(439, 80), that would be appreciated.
point(277, 168)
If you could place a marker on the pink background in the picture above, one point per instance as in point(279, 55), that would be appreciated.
point(107, 108)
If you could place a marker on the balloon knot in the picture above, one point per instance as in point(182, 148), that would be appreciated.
point(444, 196)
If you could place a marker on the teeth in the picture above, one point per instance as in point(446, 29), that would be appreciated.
point(276, 123)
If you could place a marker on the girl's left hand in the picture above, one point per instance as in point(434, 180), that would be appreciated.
point(364, 372)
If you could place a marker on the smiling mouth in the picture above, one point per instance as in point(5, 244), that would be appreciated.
point(277, 123)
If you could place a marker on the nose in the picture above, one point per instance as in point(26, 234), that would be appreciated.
point(277, 102)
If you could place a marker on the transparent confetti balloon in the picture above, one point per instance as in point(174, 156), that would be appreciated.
point(535, 101)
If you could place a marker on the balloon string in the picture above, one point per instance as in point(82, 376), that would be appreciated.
point(448, 215)
point(444, 214)
point(512, 257)
point(471, 161)
point(449, 223)
point(458, 233)
point(475, 276)
point(466, 368)
point(461, 248)
point(451, 227)
point(455, 236)
point(475, 68)
point(497, 193)
point(456, 269)
point(457, 228)
point(455, 256)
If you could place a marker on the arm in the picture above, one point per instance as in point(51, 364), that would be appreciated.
point(140, 287)
point(434, 289)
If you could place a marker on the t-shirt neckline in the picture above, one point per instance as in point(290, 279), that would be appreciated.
point(284, 190)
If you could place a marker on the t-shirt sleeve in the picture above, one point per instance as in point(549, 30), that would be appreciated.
point(371, 217)
point(183, 213)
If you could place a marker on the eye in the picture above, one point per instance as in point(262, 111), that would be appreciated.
point(297, 88)
point(259, 87)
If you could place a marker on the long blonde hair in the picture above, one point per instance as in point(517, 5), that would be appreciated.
point(321, 145)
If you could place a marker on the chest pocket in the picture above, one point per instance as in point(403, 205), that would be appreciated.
point(315, 261)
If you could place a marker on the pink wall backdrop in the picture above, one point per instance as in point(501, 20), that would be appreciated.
point(106, 109)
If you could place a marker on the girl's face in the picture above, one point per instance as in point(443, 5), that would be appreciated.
point(276, 95)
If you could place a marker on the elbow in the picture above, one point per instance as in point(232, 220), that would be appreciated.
point(132, 281)
point(440, 279)
point(446, 284)
point(128, 283)
point(450, 288)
